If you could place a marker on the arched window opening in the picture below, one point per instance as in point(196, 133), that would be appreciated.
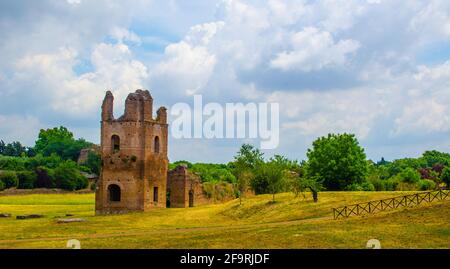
point(156, 144)
point(114, 193)
point(115, 143)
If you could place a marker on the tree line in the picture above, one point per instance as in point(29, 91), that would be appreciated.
point(336, 162)
point(50, 163)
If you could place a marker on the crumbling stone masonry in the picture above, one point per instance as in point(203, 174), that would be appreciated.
point(134, 156)
point(184, 189)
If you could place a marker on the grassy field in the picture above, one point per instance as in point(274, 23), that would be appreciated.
point(291, 222)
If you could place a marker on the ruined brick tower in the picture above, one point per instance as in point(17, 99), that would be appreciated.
point(134, 156)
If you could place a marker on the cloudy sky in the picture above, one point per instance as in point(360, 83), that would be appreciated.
point(376, 68)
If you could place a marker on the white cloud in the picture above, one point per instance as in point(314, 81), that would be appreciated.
point(74, 2)
point(122, 34)
point(315, 114)
point(295, 52)
point(426, 108)
point(19, 128)
point(80, 95)
point(201, 34)
point(188, 64)
point(432, 19)
point(313, 49)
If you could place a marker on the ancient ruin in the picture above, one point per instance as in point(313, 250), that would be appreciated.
point(134, 174)
point(184, 188)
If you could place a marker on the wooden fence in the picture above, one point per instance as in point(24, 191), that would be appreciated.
point(390, 203)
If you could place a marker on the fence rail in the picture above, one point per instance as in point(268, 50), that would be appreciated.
point(389, 203)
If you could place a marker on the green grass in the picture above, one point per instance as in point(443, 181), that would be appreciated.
point(290, 222)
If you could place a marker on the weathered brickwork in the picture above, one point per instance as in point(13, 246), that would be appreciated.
point(184, 188)
point(134, 156)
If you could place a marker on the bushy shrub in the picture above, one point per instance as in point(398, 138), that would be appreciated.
point(353, 187)
point(219, 191)
point(210, 172)
point(68, 176)
point(405, 186)
point(9, 179)
point(2, 185)
point(93, 186)
point(390, 184)
point(27, 179)
point(12, 163)
point(426, 184)
point(377, 183)
point(93, 162)
point(446, 176)
point(409, 175)
point(365, 186)
point(51, 161)
point(260, 184)
point(45, 177)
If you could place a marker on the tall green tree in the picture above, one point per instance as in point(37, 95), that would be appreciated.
point(409, 175)
point(68, 176)
point(434, 157)
point(60, 140)
point(14, 149)
point(243, 167)
point(274, 174)
point(249, 156)
point(337, 160)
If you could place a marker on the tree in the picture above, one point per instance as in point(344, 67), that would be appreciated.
point(314, 184)
point(249, 156)
point(69, 177)
point(61, 142)
point(399, 165)
point(9, 179)
point(243, 179)
point(337, 160)
point(27, 179)
point(93, 162)
point(243, 168)
point(274, 173)
point(445, 177)
point(245, 161)
point(433, 157)
point(2, 147)
point(409, 175)
point(45, 177)
point(14, 149)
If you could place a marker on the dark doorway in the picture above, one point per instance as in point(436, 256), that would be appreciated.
point(168, 199)
point(115, 143)
point(191, 198)
point(114, 193)
point(155, 194)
